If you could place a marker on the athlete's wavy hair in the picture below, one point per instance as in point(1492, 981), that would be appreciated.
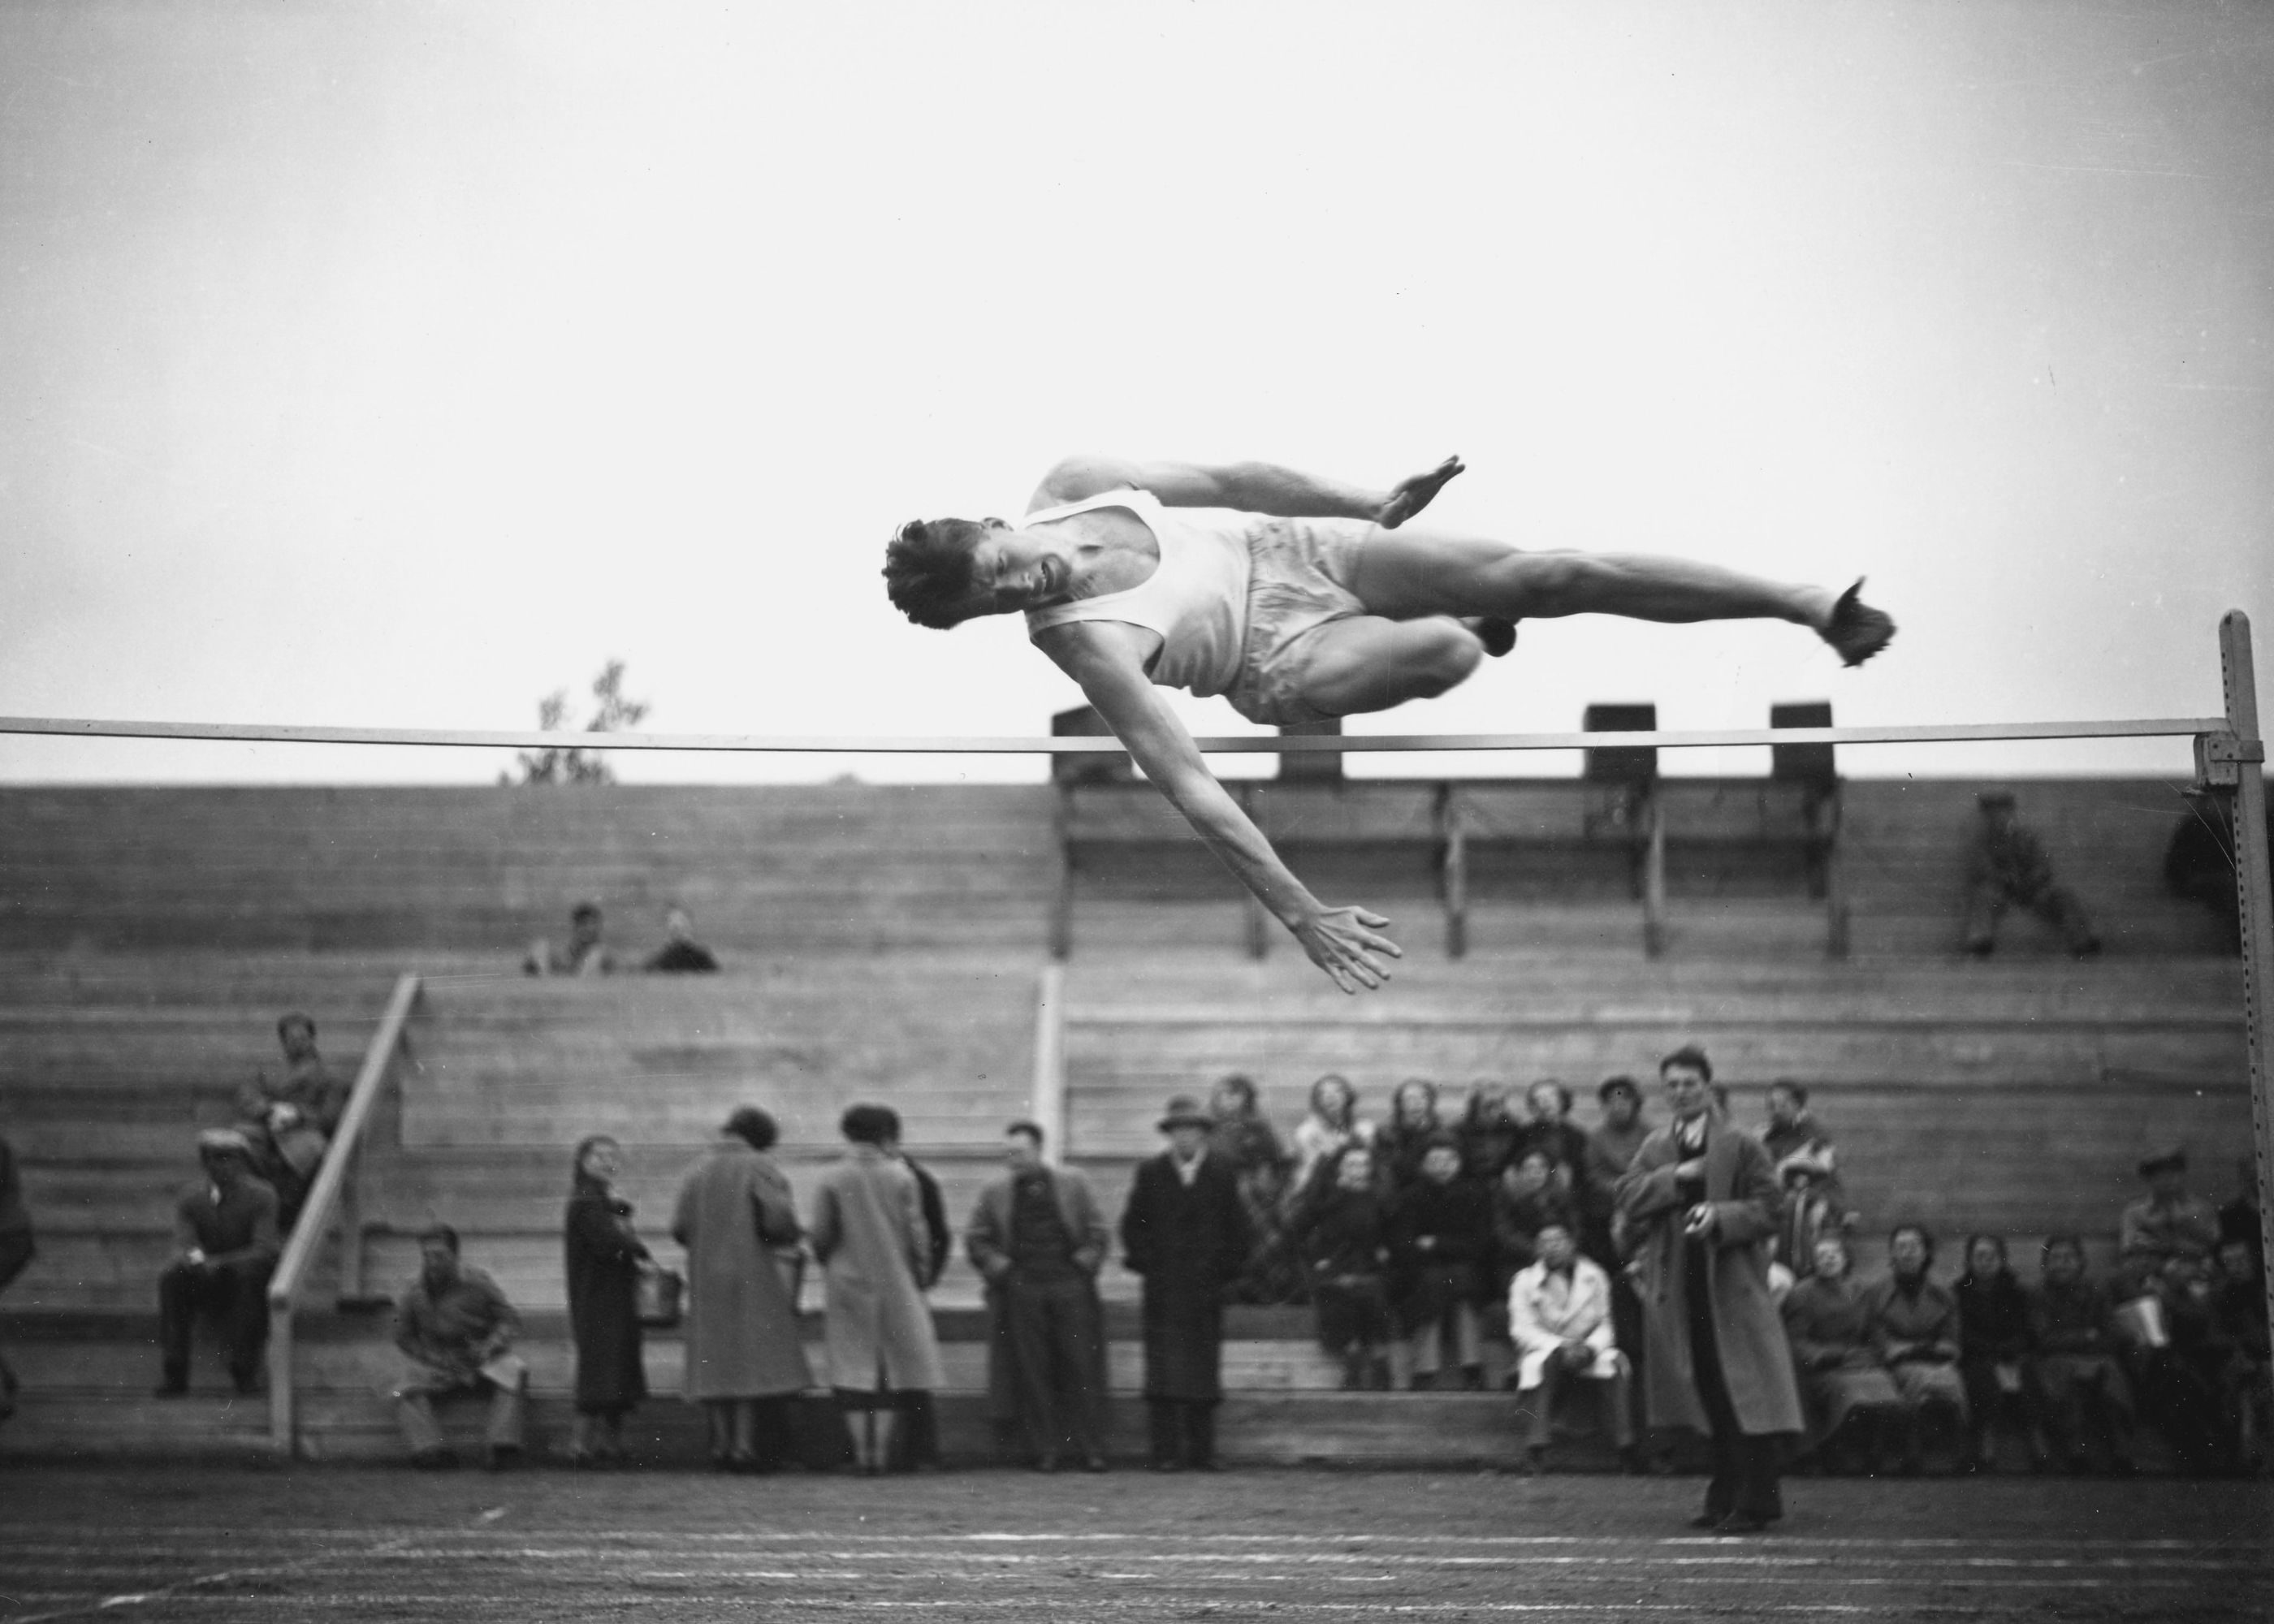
point(927, 571)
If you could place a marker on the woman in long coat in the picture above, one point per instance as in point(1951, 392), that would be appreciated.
point(869, 1235)
point(1829, 1323)
point(745, 1357)
point(603, 1258)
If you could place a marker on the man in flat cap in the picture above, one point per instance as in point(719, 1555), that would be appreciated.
point(1186, 1232)
point(2008, 865)
point(2169, 1221)
point(225, 1248)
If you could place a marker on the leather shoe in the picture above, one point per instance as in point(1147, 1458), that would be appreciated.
point(1709, 1520)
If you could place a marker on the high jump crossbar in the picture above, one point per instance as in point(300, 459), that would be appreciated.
point(1267, 744)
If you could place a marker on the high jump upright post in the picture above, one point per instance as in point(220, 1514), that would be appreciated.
point(2237, 760)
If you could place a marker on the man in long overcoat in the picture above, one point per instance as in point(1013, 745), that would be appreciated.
point(1699, 1199)
point(1186, 1232)
point(1037, 1237)
point(745, 1356)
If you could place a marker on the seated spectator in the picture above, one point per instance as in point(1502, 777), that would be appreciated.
point(1808, 1212)
point(1247, 1145)
point(1526, 1198)
point(1915, 1322)
point(1559, 1317)
point(1490, 1131)
point(1441, 1246)
point(2239, 1314)
point(226, 1244)
point(1332, 1125)
point(2169, 1221)
point(1413, 1125)
point(2008, 865)
point(15, 1250)
point(1550, 1128)
point(2080, 1378)
point(289, 1121)
point(1343, 1234)
point(603, 1256)
point(585, 954)
point(2199, 862)
point(1994, 1344)
point(680, 953)
point(2183, 1377)
point(2239, 1218)
point(1796, 1142)
point(455, 1330)
point(1852, 1400)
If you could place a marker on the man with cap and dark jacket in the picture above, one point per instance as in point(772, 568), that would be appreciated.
point(2169, 1221)
point(1186, 1232)
point(226, 1247)
point(2008, 865)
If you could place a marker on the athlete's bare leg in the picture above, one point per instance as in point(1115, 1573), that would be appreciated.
point(1367, 663)
point(1403, 575)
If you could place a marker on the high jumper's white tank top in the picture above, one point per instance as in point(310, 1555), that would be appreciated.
point(1196, 598)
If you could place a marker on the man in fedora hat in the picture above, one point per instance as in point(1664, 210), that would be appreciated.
point(2169, 1221)
point(1186, 1232)
point(225, 1247)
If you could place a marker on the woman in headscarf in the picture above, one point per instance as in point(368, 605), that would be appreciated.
point(604, 1258)
point(745, 1357)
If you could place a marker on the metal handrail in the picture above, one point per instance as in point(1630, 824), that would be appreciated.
point(323, 1197)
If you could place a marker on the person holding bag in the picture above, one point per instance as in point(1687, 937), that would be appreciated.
point(605, 1263)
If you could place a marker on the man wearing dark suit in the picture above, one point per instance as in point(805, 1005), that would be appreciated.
point(1186, 1232)
point(1038, 1238)
point(1698, 1200)
point(918, 1440)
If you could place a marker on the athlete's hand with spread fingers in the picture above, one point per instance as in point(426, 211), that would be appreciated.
point(1411, 496)
point(1344, 943)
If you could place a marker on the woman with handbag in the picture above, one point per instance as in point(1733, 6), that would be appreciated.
point(604, 1260)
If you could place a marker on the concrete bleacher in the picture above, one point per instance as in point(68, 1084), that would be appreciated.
point(884, 944)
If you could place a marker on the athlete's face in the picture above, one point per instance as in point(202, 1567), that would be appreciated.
point(1015, 569)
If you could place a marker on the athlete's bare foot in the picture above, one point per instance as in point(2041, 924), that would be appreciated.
point(1857, 631)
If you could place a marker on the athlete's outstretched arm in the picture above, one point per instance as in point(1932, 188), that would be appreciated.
point(1107, 658)
point(1252, 487)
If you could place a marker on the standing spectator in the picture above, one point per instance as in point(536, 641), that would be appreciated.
point(868, 1233)
point(1441, 1251)
point(2239, 1315)
point(290, 1120)
point(2169, 1221)
point(1401, 1142)
point(1332, 1125)
point(1994, 1344)
point(2239, 1218)
point(745, 1357)
point(1698, 1199)
point(680, 953)
point(1914, 1318)
point(1246, 1143)
point(1559, 1316)
point(1795, 1142)
point(1344, 1237)
point(919, 1420)
point(1037, 1236)
point(225, 1248)
point(1490, 1133)
point(15, 1250)
point(2008, 865)
point(1611, 1148)
point(1185, 1232)
point(604, 1256)
point(455, 1330)
point(2079, 1375)
point(1828, 1321)
point(584, 954)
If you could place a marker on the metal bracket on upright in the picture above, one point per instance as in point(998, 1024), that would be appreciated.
point(2221, 758)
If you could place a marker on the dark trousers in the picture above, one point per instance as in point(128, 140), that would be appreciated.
point(15, 1254)
point(1054, 1359)
point(2056, 905)
point(1745, 1463)
point(918, 1443)
point(234, 1294)
point(1183, 1432)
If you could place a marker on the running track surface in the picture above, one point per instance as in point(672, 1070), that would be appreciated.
point(209, 1544)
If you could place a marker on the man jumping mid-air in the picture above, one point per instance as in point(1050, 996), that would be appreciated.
point(1298, 599)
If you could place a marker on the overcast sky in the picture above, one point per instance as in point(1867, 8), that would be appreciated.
point(399, 363)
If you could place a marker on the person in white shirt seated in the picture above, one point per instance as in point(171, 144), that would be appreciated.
point(1559, 1316)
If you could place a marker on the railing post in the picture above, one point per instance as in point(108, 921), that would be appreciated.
point(1048, 1104)
point(1654, 880)
point(2254, 889)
